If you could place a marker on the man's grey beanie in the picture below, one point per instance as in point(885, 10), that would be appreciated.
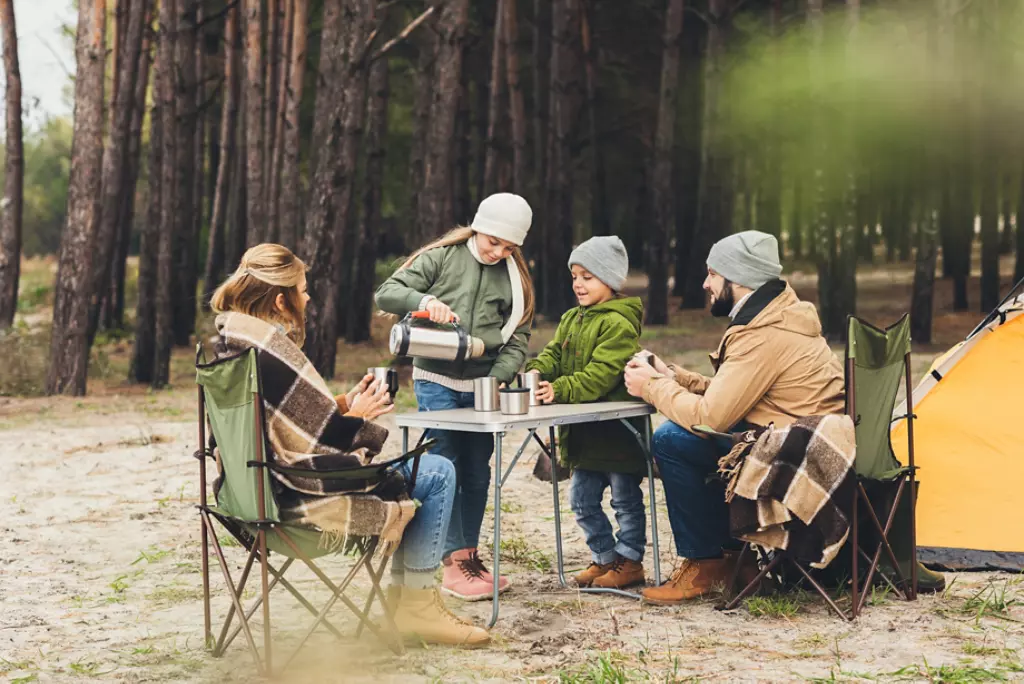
point(605, 257)
point(750, 258)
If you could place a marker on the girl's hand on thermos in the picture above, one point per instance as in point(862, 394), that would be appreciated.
point(441, 312)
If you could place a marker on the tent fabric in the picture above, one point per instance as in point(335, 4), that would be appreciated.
point(970, 450)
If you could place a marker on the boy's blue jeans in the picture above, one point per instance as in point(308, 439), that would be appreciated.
point(628, 503)
point(471, 454)
point(696, 506)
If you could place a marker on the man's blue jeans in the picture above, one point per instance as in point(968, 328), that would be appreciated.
point(628, 503)
point(422, 542)
point(696, 506)
point(471, 454)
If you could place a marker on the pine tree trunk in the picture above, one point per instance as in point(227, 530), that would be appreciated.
point(714, 204)
point(116, 177)
point(112, 317)
point(14, 172)
point(290, 213)
point(328, 220)
point(281, 104)
point(922, 302)
point(189, 303)
point(1018, 271)
point(565, 90)
point(238, 204)
point(360, 313)
point(663, 206)
point(600, 218)
point(989, 241)
point(256, 211)
point(144, 350)
point(271, 59)
point(435, 199)
point(216, 239)
point(494, 109)
point(541, 83)
point(481, 99)
point(687, 166)
point(424, 84)
point(517, 110)
point(169, 223)
point(69, 346)
point(462, 198)
point(186, 204)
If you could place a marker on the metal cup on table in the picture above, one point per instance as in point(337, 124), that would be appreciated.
point(485, 394)
point(530, 381)
point(514, 401)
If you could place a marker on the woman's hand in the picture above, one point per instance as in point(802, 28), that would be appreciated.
point(545, 393)
point(371, 403)
point(441, 312)
point(358, 389)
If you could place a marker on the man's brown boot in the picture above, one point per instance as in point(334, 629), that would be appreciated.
point(691, 579)
point(624, 573)
point(422, 616)
point(593, 571)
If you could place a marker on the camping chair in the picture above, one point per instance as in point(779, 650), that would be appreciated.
point(876, 360)
point(230, 397)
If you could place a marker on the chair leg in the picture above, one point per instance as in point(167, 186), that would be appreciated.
point(749, 589)
point(855, 541)
point(823, 593)
point(205, 558)
point(223, 644)
point(730, 590)
point(264, 577)
point(236, 603)
point(375, 577)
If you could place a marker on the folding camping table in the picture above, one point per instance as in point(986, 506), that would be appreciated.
point(550, 417)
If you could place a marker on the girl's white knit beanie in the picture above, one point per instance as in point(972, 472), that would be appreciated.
point(505, 216)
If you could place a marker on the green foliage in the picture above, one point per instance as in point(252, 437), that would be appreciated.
point(26, 358)
point(607, 669)
point(778, 607)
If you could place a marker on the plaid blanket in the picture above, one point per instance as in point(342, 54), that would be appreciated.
point(305, 430)
point(792, 487)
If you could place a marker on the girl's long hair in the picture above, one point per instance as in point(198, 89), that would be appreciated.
point(463, 234)
point(266, 271)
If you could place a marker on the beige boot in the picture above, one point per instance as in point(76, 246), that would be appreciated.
point(421, 615)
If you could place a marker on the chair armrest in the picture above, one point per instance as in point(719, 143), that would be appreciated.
point(367, 472)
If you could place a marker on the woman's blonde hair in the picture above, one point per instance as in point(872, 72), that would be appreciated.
point(266, 270)
point(462, 234)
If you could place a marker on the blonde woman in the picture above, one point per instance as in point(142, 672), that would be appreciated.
point(477, 276)
point(262, 305)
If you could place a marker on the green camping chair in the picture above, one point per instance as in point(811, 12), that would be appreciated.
point(229, 396)
point(876, 361)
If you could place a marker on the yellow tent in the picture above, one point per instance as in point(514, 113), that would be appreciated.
point(968, 446)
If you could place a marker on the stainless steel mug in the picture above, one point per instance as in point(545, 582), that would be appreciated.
point(514, 401)
point(388, 376)
point(530, 381)
point(485, 394)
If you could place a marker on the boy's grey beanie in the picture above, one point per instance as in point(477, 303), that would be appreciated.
point(606, 258)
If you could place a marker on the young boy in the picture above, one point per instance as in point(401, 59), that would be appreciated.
point(585, 363)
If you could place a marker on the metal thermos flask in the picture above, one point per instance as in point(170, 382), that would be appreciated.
point(431, 342)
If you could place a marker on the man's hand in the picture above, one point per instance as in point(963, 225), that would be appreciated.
point(649, 359)
point(545, 392)
point(637, 375)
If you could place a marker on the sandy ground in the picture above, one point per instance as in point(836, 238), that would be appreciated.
point(100, 578)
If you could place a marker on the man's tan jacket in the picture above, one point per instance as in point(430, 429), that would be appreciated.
point(772, 366)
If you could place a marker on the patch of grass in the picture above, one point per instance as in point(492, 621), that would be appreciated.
point(609, 668)
point(228, 540)
point(947, 674)
point(87, 669)
point(518, 550)
point(879, 595)
point(173, 595)
point(12, 665)
point(994, 600)
point(26, 358)
point(973, 649)
point(777, 607)
point(119, 585)
point(26, 679)
point(813, 641)
point(151, 555)
point(34, 297)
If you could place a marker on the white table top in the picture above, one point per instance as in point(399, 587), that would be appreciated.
point(469, 420)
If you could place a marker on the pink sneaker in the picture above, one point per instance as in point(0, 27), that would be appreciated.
point(466, 577)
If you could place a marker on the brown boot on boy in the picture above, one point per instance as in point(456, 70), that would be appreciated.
point(691, 579)
point(624, 573)
point(593, 571)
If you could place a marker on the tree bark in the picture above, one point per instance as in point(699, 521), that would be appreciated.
point(714, 204)
point(328, 219)
point(169, 223)
point(14, 172)
point(69, 346)
point(281, 104)
point(186, 205)
point(565, 91)
point(462, 197)
point(1018, 271)
point(494, 110)
point(663, 206)
point(424, 84)
point(113, 314)
point(116, 177)
point(989, 239)
point(216, 239)
point(435, 199)
point(922, 302)
point(256, 211)
point(144, 350)
point(517, 110)
point(360, 313)
point(541, 83)
point(290, 212)
point(600, 218)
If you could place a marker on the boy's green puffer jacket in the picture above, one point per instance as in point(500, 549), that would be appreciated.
point(480, 295)
point(585, 362)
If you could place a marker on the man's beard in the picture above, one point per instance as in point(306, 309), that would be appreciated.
point(721, 307)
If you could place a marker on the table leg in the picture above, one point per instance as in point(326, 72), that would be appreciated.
point(558, 511)
point(654, 507)
point(405, 440)
point(498, 438)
